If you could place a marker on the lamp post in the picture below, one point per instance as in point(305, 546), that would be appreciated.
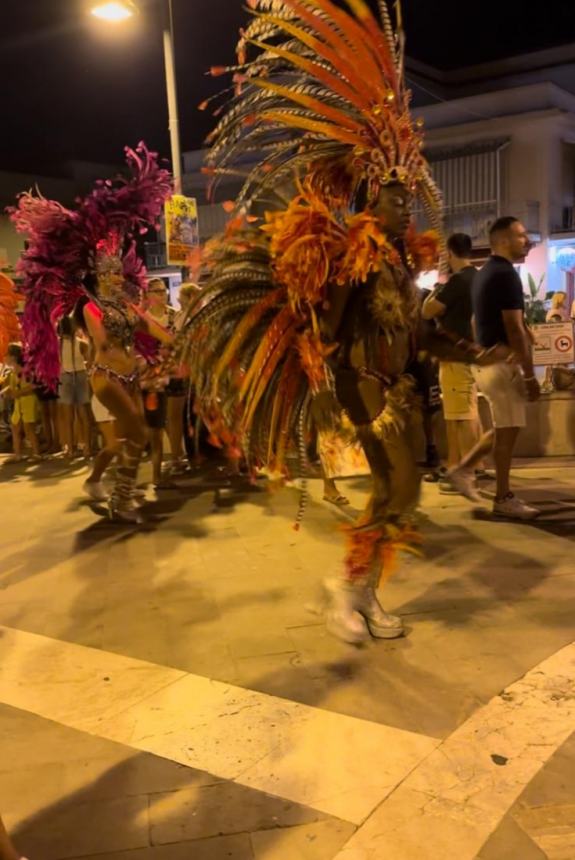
point(116, 11)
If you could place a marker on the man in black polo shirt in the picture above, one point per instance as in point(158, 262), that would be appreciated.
point(498, 309)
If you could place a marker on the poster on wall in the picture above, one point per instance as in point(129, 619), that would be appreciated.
point(554, 344)
point(182, 233)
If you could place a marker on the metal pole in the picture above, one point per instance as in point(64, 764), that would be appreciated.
point(173, 120)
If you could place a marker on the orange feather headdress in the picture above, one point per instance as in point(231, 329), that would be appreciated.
point(324, 95)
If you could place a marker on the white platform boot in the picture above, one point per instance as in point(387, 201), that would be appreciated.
point(354, 612)
point(381, 624)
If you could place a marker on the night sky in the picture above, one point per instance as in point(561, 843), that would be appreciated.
point(76, 89)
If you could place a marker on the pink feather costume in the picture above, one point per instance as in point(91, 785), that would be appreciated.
point(95, 243)
point(62, 246)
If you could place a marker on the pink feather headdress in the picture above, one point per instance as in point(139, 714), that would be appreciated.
point(64, 245)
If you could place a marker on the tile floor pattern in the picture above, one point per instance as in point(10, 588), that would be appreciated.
point(218, 586)
point(542, 822)
point(67, 794)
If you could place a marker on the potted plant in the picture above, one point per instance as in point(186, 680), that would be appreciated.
point(534, 306)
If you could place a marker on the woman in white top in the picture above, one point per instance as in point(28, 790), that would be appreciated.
point(74, 390)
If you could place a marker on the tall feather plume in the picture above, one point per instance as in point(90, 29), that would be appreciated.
point(316, 83)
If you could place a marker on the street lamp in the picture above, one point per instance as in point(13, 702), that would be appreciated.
point(114, 11)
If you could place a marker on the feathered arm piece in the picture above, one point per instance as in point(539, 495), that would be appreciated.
point(305, 240)
point(367, 246)
point(50, 267)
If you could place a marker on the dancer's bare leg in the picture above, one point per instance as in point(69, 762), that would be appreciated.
point(110, 449)
point(356, 611)
point(126, 407)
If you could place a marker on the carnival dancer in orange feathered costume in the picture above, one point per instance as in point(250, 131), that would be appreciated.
point(315, 311)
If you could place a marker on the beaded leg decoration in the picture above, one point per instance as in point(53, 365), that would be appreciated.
point(121, 503)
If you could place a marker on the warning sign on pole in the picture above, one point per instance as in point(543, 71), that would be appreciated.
point(554, 344)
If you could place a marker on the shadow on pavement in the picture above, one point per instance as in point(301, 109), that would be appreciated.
point(126, 809)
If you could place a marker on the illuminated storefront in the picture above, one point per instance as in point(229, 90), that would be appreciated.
point(561, 266)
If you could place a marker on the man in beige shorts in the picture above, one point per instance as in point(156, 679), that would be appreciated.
point(499, 318)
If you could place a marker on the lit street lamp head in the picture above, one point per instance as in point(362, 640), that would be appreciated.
point(114, 10)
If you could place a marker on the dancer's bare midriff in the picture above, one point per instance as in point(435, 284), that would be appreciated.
point(117, 359)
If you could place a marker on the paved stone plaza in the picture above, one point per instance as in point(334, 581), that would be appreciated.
point(167, 694)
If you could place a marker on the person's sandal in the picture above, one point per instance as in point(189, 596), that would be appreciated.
point(340, 499)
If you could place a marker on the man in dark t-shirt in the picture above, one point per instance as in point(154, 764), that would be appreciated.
point(450, 306)
point(497, 288)
point(498, 309)
point(450, 303)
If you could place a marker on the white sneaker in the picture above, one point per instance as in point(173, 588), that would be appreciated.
point(515, 509)
point(463, 482)
point(381, 624)
point(96, 490)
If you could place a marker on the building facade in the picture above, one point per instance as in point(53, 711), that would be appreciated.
point(509, 152)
